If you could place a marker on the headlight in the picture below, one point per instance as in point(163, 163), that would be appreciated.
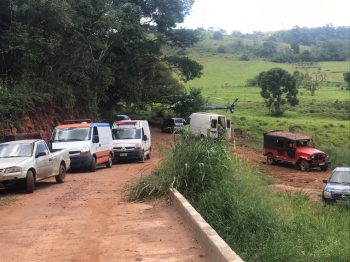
point(138, 146)
point(312, 157)
point(324, 155)
point(327, 194)
point(13, 169)
point(85, 150)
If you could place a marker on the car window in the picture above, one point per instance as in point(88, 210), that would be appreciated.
point(340, 177)
point(279, 143)
point(179, 121)
point(41, 147)
point(214, 123)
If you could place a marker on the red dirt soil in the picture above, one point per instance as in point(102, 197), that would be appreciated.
point(86, 219)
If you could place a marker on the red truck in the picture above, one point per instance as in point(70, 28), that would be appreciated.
point(295, 148)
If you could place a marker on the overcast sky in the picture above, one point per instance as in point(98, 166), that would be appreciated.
point(266, 15)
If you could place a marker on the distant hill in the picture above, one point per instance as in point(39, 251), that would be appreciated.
point(297, 45)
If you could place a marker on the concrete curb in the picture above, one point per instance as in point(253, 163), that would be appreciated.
point(215, 247)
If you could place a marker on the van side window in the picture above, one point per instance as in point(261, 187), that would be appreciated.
point(214, 123)
point(95, 131)
point(279, 143)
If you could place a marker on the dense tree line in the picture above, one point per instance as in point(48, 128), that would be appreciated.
point(91, 54)
point(325, 43)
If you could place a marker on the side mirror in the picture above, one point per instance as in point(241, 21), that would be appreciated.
point(324, 181)
point(144, 138)
point(40, 154)
point(95, 139)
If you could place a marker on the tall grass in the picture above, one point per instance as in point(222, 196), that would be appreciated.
point(257, 223)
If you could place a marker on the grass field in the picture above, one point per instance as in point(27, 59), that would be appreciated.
point(324, 115)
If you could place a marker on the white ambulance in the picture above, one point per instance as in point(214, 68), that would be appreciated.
point(131, 140)
point(214, 125)
point(89, 144)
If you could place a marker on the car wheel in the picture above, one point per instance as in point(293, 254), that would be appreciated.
point(304, 166)
point(149, 154)
point(93, 165)
point(142, 158)
point(270, 160)
point(61, 175)
point(324, 168)
point(109, 162)
point(30, 182)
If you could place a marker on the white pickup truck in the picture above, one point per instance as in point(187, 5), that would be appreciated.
point(30, 161)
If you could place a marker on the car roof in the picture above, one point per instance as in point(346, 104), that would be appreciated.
point(286, 134)
point(22, 141)
point(342, 169)
point(175, 118)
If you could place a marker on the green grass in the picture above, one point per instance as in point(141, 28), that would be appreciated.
point(324, 116)
point(257, 223)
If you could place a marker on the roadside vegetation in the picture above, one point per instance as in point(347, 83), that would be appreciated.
point(257, 223)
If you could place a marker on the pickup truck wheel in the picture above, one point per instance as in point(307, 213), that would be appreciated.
point(304, 166)
point(109, 162)
point(61, 175)
point(93, 165)
point(30, 182)
point(324, 168)
point(270, 160)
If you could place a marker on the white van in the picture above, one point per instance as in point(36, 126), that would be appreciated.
point(131, 140)
point(203, 123)
point(89, 144)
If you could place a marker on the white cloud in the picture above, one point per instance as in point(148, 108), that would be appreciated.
point(265, 15)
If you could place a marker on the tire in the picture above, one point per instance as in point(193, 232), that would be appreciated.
point(324, 168)
point(93, 165)
point(304, 166)
point(61, 175)
point(30, 182)
point(109, 162)
point(142, 158)
point(149, 154)
point(270, 160)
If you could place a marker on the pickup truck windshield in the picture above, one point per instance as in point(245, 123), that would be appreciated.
point(342, 177)
point(126, 133)
point(71, 134)
point(16, 150)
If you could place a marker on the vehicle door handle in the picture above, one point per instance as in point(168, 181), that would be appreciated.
point(99, 145)
point(50, 159)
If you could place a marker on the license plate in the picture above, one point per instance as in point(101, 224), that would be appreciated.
point(322, 164)
point(124, 154)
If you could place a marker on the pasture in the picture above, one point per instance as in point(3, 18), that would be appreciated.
point(324, 116)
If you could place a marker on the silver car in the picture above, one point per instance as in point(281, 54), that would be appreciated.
point(337, 189)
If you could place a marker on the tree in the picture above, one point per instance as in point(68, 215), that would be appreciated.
point(189, 103)
point(295, 47)
point(217, 35)
point(347, 78)
point(312, 83)
point(278, 87)
point(299, 78)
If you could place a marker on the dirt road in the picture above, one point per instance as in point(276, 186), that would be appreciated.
point(288, 179)
point(85, 219)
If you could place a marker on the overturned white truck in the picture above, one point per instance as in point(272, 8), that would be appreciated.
point(214, 125)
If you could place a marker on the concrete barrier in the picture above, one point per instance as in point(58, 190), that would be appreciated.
point(214, 246)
